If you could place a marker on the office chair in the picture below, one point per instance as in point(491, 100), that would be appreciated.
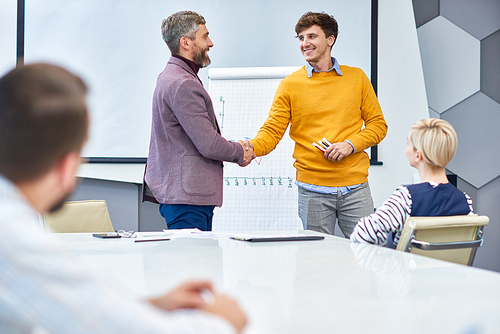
point(451, 238)
point(78, 217)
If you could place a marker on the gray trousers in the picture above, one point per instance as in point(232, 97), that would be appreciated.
point(319, 212)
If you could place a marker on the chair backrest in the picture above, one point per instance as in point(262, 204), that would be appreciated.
point(78, 217)
point(451, 238)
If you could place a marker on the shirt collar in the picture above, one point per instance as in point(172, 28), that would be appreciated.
point(7, 188)
point(335, 67)
point(192, 65)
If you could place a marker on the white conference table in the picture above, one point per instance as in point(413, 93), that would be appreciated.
point(326, 286)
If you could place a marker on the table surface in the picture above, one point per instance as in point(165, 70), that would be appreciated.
point(326, 286)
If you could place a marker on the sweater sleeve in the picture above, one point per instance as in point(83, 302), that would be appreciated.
point(390, 217)
point(375, 126)
point(275, 125)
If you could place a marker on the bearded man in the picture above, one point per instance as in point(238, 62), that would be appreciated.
point(184, 168)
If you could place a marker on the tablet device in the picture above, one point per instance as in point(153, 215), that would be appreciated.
point(268, 238)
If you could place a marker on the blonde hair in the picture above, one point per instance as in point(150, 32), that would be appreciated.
point(436, 139)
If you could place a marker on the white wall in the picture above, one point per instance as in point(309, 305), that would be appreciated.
point(401, 92)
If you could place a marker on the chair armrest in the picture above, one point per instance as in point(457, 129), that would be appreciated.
point(423, 245)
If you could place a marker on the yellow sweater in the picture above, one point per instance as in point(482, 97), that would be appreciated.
point(326, 105)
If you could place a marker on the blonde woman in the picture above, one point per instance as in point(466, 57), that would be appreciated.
point(432, 143)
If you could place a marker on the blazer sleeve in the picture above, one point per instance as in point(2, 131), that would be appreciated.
point(191, 112)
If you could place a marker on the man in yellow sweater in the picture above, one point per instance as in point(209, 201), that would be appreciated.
point(326, 100)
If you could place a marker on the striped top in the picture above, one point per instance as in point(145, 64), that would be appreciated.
point(423, 199)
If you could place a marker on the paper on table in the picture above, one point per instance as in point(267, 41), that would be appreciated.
point(147, 236)
point(195, 233)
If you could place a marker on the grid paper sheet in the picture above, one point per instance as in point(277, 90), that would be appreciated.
point(263, 195)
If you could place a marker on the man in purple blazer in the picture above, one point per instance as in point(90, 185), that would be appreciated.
point(186, 151)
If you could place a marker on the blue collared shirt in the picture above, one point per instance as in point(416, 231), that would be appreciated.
point(323, 189)
point(335, 67)
point(326, 190)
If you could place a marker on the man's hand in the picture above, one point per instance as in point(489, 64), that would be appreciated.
point(190, 295)
point(228, 309)
point(187, 295)
point(249, 154)
point(337, 151)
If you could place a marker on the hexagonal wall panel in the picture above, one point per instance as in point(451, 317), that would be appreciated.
point(476, 122)
point(487, 204)
point(479, 18)
point(425, 11)
point(490, 69)
point(451, 63)
point(433, 113)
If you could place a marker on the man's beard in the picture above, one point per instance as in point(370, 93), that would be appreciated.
point(58, 205)
point(200, 57)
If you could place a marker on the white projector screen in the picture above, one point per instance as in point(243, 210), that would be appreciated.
point(116, 46)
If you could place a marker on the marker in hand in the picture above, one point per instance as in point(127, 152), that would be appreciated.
point(326, 141)
point(323, 145)
point(319, 147)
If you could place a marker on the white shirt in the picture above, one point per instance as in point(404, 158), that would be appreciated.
point(42, 286)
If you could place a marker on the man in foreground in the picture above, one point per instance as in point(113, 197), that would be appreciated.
point(43, 126)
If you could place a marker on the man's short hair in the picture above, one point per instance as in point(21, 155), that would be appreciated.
point(327, 23)
point(43, 116)
point(178, 25)
point(435, 139)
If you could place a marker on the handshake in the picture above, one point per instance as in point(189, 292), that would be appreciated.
point(249, 154)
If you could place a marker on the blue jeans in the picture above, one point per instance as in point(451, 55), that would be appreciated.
point(179, 216)
point(319, 212)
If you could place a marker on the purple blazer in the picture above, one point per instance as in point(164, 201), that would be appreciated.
point(186, 149)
